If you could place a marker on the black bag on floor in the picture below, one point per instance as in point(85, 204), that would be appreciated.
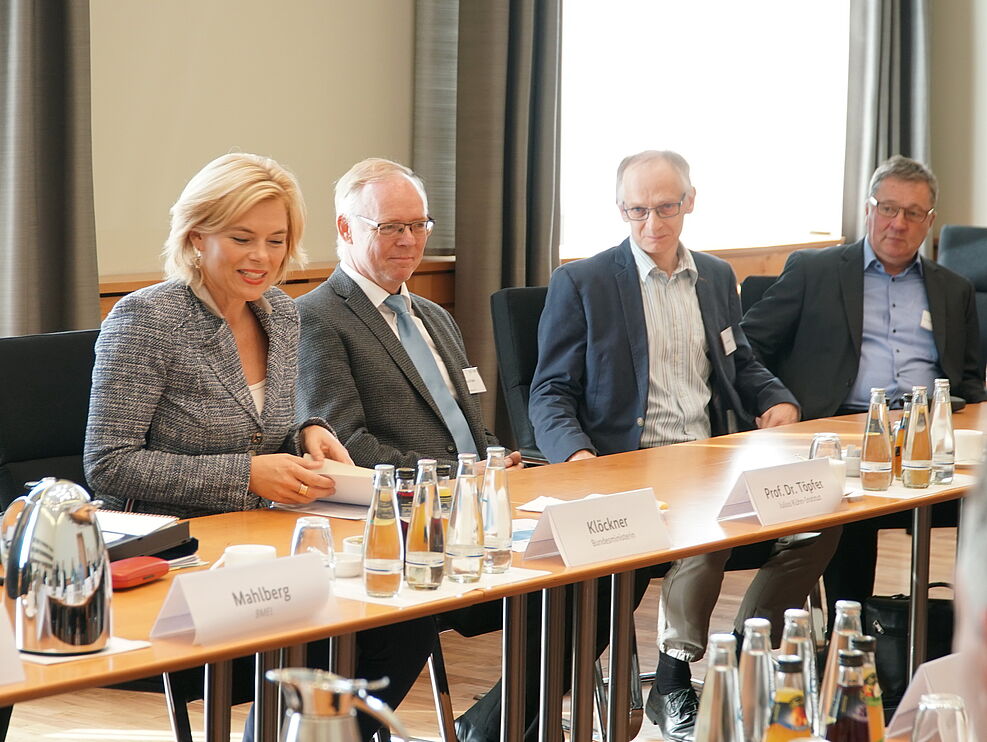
point(886, 619)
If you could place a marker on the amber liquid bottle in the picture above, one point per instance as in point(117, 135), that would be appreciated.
point(848, 713)
point(383, 545)
point(916, 456)
point(899, 433)
point(875, 451)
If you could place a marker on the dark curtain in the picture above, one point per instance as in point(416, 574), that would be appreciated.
point(48, 274)
point(888, 95)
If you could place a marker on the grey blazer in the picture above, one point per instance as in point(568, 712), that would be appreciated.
point(172, 425)
point(354, 371)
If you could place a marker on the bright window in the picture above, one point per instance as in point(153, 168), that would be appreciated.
point(752, 94)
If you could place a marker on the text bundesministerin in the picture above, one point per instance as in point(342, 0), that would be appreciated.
point(261, 594)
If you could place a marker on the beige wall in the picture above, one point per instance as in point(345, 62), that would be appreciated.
point(316, 84)
point(959, 109)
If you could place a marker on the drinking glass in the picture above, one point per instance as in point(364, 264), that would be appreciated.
point(314, 533)
point(825, 446)
point(941, 718)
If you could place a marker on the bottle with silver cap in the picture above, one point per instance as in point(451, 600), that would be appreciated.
point(464, 536)
point(719, 719)
point(941, 434)
point(756, 678)
point(425, 552)
point(847, 625)
point(497, 512)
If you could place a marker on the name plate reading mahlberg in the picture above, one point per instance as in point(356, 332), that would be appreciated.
point(11, 670)
point(223, 603)
point(778, 494)
point(600, 527)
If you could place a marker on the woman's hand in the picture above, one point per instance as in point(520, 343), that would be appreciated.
point(320, 444)
point(288, 479)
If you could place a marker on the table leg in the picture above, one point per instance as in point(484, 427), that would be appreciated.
point(265, 696)
point(217, 698)
point(552, 662)
point(512, 668)
point(583, 662)
point(919, 610)
point(342, 655)
point(621, 631)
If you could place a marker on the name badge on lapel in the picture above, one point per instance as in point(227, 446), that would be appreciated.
point(926, 322)
point(729, 344)
point(473, 381)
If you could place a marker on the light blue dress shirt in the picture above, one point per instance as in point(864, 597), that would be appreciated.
point(897, 349)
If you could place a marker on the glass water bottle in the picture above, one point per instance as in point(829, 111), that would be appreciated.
point(797, 640)
point(848, 712)
point(383, 544)
point(789, 715)
point(875, 453)
point(464, 535)
point(425, 553)
point(916, 456)
point(497, 513)
point(756, 678)
point(719, 707)
point(941, 434)
point(847, 625)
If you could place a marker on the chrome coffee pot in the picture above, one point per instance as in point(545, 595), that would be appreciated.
point(321, 707)
point(57, 584)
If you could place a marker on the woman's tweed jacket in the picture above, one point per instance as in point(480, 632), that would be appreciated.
point(172, 425)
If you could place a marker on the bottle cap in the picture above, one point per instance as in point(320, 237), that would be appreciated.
point(796, 614)
point(789, 663)
point(864, 643)
point(851, 658)
point(444, 470)
point(847, 606)
point(405, 472)
point(759, 625)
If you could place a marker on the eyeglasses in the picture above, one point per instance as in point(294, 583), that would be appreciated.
point(664, 211)
point(889, 211)
point(393, 229)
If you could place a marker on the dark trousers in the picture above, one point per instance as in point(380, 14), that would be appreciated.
point(481, 723)
point(398, 652)
point(851, 571)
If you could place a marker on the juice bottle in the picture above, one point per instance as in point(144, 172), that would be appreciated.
point(847, 625)
point(872, 688)
point(847, 715)
point(789, 718)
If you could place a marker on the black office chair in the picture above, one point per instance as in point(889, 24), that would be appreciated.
point(515, 313)
point(964, 251)
point(44, 404)
point(752, 289)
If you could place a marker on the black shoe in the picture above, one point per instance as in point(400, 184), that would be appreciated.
point(674, 713)
point(466, 732)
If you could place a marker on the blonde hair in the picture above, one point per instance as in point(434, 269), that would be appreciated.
point(362, 174)
point(218, 195)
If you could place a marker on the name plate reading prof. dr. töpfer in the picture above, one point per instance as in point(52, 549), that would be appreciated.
point(236, 601)
point(600, 527)
point(778, 494)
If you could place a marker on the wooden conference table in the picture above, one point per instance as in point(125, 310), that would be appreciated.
point(694, 478)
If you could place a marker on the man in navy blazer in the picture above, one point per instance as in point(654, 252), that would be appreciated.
point(641, 346)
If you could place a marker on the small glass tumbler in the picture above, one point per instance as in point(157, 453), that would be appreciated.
point(314, 533)
point(941, 718)
point(825, 446)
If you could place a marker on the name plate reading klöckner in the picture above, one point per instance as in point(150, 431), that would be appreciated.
point(236, 601)
point(600, 527)
point(11, 670)
point(778, 494)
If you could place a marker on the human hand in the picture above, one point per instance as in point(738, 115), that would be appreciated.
point(281, 477)
point(780, 414)
point(584, 453)
point(513, 459)
point(320, 444)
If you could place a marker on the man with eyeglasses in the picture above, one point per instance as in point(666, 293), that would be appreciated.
point(842, 320)
point(641, 346)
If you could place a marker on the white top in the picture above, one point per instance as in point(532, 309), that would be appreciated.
point(678, 363)
point(377, 295)
point(257, 392)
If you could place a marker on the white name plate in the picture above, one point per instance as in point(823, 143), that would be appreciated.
point(235, 601)
point(600, 527)
point(11, 669)
point(778, 494)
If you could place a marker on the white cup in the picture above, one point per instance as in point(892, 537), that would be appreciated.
point(348, 565)
point(353, 545)
point(969, 446)
point(240, 555)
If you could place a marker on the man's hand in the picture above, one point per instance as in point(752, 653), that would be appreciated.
point(513, 459)
point(584, 453)
point(780, 414)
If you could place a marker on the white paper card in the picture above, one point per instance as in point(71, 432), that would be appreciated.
point(473, 381)
point(354, 484)
point(598, 528)
point(222, 603)
point(936, 676)
point(778, 494)
point(729, 344)
point(11, 670)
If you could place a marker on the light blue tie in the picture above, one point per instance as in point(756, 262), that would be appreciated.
point(424, 361)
